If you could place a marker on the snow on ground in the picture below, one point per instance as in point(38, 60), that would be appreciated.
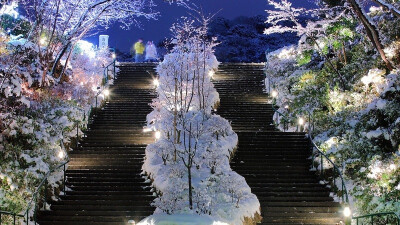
point(180, 219)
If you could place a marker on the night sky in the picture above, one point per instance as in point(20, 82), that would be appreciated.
point(157, 30)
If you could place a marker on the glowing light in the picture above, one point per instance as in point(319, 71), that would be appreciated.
point(274, 94)
point(157, 135)
point(156, 82)
point(106, 92)
point(146, 129)
point(286, 106)
point(211, 73)
point(86, 48)
point(43, 40)
point(346, 211)
point(301, 121)
point(392, 167)
point(131, 222)
point(114, 56)
point(61, 154)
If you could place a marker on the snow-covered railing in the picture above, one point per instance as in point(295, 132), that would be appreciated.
point(39, 198)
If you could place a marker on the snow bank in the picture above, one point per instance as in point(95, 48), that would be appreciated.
point(180, 219)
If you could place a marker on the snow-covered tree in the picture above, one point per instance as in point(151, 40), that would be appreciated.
point(59, 24)
point(189, 161)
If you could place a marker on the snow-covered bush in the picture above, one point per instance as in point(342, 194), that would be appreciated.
point(189, 162)
point(38, 124)
point(356, 124)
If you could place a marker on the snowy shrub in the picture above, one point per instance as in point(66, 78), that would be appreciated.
point(38, 124)
point(189, 162)
point(354, 102)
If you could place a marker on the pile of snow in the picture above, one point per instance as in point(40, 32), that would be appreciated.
point(180, 219)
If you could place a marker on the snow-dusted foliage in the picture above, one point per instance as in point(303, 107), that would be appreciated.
point(189, 162)
point(242, 39)
point(38, 125)
point(356, 124)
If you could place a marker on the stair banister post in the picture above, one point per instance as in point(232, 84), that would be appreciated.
point(77, 133)
point(322, 164)
point(64, 179)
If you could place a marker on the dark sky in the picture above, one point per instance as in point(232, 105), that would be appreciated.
point(158, 29)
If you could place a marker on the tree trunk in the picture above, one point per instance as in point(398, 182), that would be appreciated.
point(190, 185)
point(371, 30)
point(59, 56)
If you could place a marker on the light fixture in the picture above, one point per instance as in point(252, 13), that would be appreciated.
point(114, 56)
point(156, 82)
point(301, 121)
point(106, 92)
point(211, 73)
point(274, 94)
point(43, 40)
point(131, 222)
point(157, 135)
point(286, 106)
point(347, 211)
point(61, 154)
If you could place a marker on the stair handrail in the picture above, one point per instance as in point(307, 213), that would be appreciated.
point(379, 214)
point(14, 216)
point(317, 152)
point(344, 194)
point(107, 69)
point(44, 182)
point(35, 196)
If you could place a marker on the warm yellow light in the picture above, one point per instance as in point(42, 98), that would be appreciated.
point(156, 82)
point(106, 92)
point(158, 135)
point(347, 211)
point(114, 56)
point(43, 40)
point(274, 94)
point(61, 154)
point(286, 106)
point(146, 129)
point(211, 73)
point(301, 121)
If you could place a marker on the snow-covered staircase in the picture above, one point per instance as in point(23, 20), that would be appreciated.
point(104, 179)
point(275, 164)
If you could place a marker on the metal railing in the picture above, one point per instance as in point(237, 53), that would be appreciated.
point(39, 197)
point(109, 68)
point(340, 189)
point(378, 218)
